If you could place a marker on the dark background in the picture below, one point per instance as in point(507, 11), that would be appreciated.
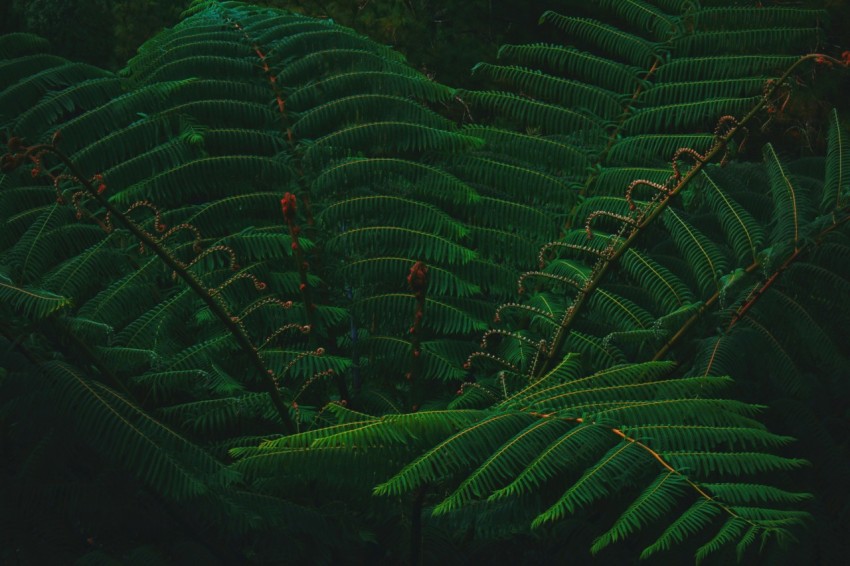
point(444, 38)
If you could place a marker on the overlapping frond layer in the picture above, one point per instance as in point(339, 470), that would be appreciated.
point(400, 234)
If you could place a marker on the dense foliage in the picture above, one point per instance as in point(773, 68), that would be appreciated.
point(271, 293)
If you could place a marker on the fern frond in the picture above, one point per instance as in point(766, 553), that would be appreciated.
point(642, 148)
point(388, 239)
point(533, 114)
point(504, 463)
point(364, 108)
point(378, 138)
point(18, 97)
point(657, 499)
point(548, 151)
point(697, 115)
point(703, 256)
point(326, 61)
point(428, 182)
point(407, 212)
point(836, 186)
point(520, 183)
point(724, 67)
point(693, 91)
point(743, 232)
point(18, 44)
point(34, 304)
point(771, 41)
point(475, 442)
point(643, 16)
point(563, 92)
point(121, 431)
point(604, 73)
point(763, 16)
point(791, 204)
point(361, 82)
point(634, 49)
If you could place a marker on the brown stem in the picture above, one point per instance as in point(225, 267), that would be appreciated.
point(718, 147)
point(194, 283)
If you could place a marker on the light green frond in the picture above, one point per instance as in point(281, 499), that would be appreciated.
point(692, 91)
point(732, 530)
point(595, 352)
point(364, 108)
point(643, 17)
point(666, 289)
point(378, 138)
point(205, 177)
point(360, 82)
point(724, 67)
point(618, 311)
point(34, 304)
point(573, 63)
point(634, 49)
point(17, 69)
point(563, 92)
point(704, 258)
point(46, 114)
point(533, 114)
point(504, 463)
point(202, 354)
point(792, 207)
point(679, 436)
point(432, 184)
point(693, 520)
point(440, 315)
point(747, 493)
point(406, 212)
point(374, 270)
point(731, 463)
point(309, 42)
point(17, 44)
point(474, 442)
point(602, 479)
point(547, 151)
point(657, 499)
point(33, 251)
point(836, 186)
point(524, 184)
point(148, 450)
point(699, 115)
point(762, 16)
point(18, 97)
point(396, 239)
point(638, 149)
point(326, 61)
point(568, 451)
point(613, 181)
point(772, 41)
point(742, 231)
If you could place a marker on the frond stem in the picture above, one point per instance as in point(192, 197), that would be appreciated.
point(193, 282)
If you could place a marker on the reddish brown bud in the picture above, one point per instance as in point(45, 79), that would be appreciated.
point(288, 206)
